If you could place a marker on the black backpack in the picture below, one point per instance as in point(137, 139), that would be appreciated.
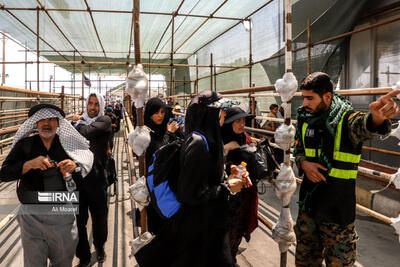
point(162, 178)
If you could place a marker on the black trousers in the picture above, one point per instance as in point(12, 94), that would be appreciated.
point(93, 198)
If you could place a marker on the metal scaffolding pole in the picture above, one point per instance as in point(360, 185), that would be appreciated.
point(308, 46)
point(139, 111)
point(170, 22)
point(95, 29)
point(123, 12)
point(172, 57)
point(37, 47)
point(3, 72)
point(215, 78)
point(83, 87)
point(233, 26)
point(196, 85)
point(201, 25)
point(149, 76)
point(58, 28)
point(107, 52)
point(211, 71)
point(250, 55)
point(26, 68)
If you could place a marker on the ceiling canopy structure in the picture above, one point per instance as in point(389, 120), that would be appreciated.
point(101, 31)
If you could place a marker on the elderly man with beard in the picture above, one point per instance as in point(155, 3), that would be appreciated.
point(45, 146)
point(96, 127)
point(329, 139)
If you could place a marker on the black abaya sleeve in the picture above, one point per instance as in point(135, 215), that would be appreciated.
point(193, 184)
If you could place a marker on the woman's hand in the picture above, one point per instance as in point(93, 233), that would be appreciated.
point(246, 179)
point(230, 146)
point(172, 127)
point(235, 184)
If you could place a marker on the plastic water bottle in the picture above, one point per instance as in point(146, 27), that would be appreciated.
point(69, 182)
point(240, 170)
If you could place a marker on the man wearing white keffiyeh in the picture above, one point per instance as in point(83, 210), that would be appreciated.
point(45, 146)
point(93, 190)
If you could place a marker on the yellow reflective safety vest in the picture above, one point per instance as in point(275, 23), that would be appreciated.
point(333, 201)
point(345, 158)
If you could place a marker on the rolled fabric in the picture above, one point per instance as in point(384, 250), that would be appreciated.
point(140, 193)
point(284, 136)
point(139, 139)
point(137, 85)
point(283, 232)
point(395, 179)
point(396, 224)
point(287, 86)
point(285, 184)
point(396, 132)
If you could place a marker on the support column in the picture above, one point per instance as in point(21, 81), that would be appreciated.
point(250, 55)
point(26, 67)
point(308, 46)
point(149, 75)
point(83, 88)
point(211, 72)
point(196, 85)
point(62, 97)
point(3, 72)
point(37, 48)
point(54, 79)
point(139, 111)
point(215, 78)
point(128, 97)
point(73, 93)
point(73, 79)
point(172, 56)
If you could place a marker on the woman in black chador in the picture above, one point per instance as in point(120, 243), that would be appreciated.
point(197, 235)
point(242, 206)
point(156, 117)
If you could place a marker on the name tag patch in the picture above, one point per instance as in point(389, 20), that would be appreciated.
point(310, 132)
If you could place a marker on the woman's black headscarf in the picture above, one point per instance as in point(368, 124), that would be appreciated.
point(152, 106)
point(228, 135)
point(204, 119)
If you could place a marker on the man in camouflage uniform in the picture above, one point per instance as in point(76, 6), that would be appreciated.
point(329, 138)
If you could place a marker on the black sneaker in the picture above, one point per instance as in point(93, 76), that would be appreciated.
point(101, 255)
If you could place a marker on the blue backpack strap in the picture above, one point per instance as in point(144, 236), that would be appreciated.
point(204, 138)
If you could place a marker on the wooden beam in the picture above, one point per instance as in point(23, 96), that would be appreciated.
point(139, 111)
point(95, 28)
point(37, 48)
point(170, 22)
point(201, 25)
point(58, 28)
point(163, 65)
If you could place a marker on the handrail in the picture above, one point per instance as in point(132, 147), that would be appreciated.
point(349, 92)
point(15, 128)
point(252, 90)
point(131, 170)
point(272, 119)
point(25, 91)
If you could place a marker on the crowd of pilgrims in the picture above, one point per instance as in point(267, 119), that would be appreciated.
point(218, 209)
